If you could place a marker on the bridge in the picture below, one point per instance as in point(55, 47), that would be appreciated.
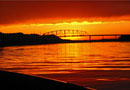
point(78, 33)
point(67, 33)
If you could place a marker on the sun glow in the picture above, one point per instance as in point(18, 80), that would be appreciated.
point(97, 27)
point(78, 23)
point(65, 23)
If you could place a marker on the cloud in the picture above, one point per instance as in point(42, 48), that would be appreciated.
point(64, 23)
point(15, 12)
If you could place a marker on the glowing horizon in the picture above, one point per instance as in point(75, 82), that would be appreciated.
point(40, 17)
point(96, 27)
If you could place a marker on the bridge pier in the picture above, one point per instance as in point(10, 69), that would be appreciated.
point(115, 36)
point(89, 37)
point(102, 36)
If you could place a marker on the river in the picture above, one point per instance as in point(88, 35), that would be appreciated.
point(99, 65)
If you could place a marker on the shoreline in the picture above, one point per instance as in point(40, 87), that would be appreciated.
point(20, 39)
point(17, 81)
point(66, 41)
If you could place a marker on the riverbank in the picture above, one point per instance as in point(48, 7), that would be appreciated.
point(17, 39)
point(15, 81)
point(97, 79)
point(20, 39)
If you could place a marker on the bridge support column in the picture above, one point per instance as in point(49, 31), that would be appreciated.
point(102, 37)
point(89, 37)
point(56, 33)
point(115, 36)
point(64, 32)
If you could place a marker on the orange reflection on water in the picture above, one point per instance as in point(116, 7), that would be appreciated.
point(92, 37)
point(66, 58)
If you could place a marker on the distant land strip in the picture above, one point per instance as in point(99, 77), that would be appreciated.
point(16, 39)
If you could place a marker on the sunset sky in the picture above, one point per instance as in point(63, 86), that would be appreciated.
point(95, 17)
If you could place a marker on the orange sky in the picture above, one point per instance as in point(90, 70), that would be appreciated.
point(95, 17)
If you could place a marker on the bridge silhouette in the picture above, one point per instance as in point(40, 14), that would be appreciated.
point(67, 33)
point(78, 33)
point(10, 39)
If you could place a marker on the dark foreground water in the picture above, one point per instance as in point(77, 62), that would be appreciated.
point(99, 65)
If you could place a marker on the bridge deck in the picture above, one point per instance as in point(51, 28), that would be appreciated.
point(94, 35)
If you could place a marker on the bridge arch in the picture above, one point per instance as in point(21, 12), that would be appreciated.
point(67, 33)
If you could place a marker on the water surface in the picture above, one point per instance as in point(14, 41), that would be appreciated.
point(100, 65)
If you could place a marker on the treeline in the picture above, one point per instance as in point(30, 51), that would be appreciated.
point(11, 39)
point(7, 39)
